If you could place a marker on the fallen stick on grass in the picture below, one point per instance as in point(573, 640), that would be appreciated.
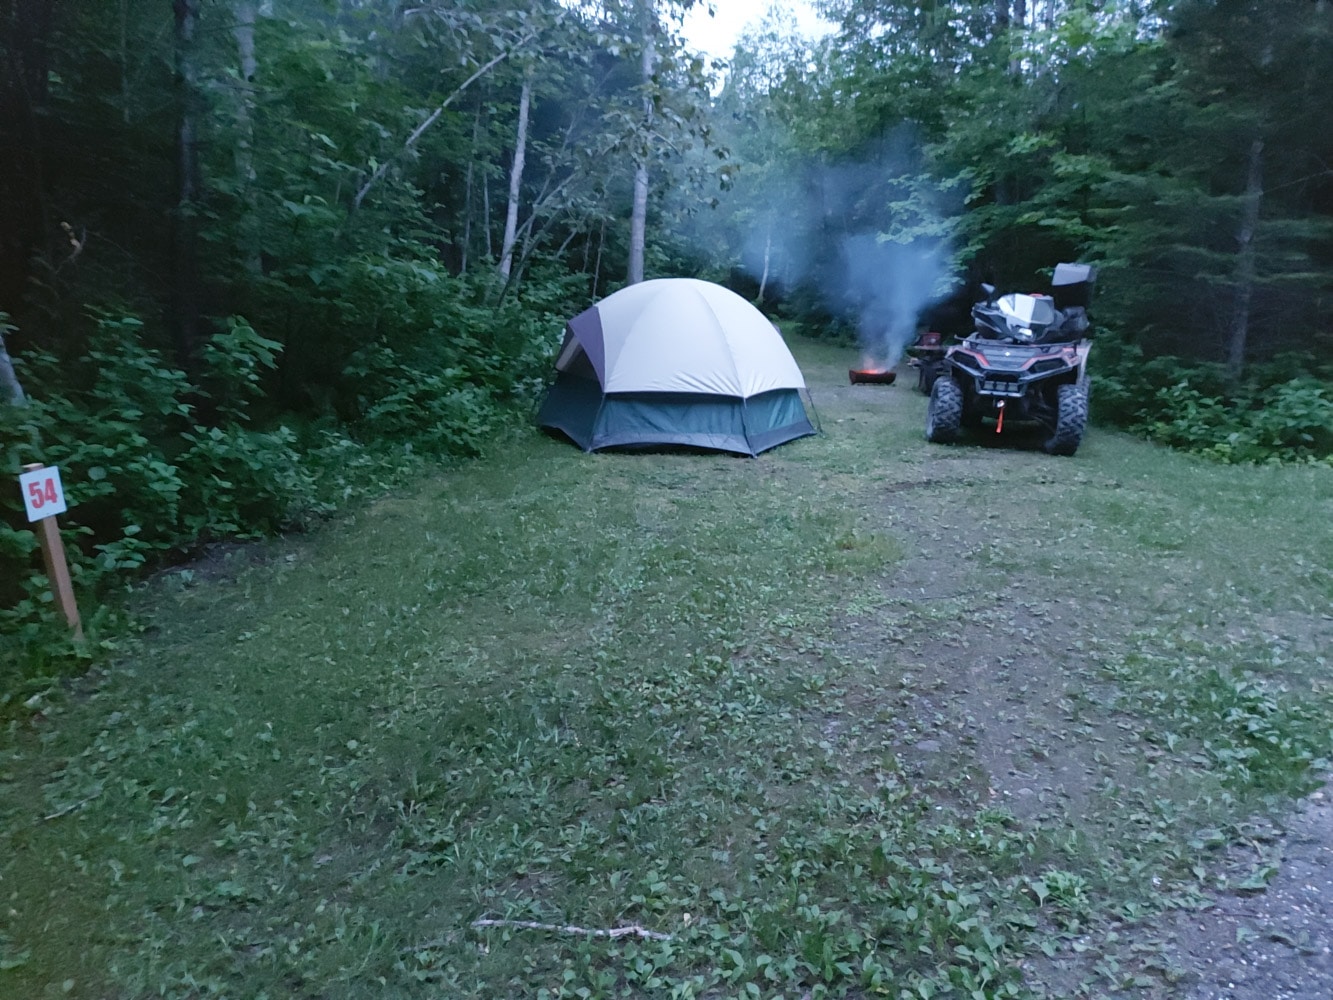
point(71, 807)
point(615, 932)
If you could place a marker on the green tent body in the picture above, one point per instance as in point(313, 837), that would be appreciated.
point(675, 362)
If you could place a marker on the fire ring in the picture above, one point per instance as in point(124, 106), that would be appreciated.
point(871, 376)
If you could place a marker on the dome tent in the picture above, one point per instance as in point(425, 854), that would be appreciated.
point(675, 361)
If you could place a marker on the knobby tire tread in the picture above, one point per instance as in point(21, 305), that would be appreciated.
point(1071, 420)
point(944, 416)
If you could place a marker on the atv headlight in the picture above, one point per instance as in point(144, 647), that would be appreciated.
point(1025, 332)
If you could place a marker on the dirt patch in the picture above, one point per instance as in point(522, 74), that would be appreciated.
point(996, 676)
point(1276, 944)
point(990, 670)
point(222, 561)
point(1052, 747)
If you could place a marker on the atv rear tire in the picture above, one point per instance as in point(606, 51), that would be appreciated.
point(945, 414)
point(1070, 421)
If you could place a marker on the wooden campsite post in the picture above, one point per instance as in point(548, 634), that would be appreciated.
point(44, 498)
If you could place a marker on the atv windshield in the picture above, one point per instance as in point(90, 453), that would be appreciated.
point(1030, 310)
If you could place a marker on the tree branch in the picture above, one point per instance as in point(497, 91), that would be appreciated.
point(383, 168)
point(634, 930)
point(73, 806)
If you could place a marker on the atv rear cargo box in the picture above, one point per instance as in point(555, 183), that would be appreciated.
point(1073, 285)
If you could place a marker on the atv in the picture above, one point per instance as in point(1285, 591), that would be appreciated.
point(1027, 361)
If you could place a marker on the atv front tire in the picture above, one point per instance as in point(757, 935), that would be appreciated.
point(944, 416)
point(1071, 420)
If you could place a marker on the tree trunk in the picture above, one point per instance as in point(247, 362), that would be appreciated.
point(516, 178)
point(768, 251)
point(486, 214)
point(125, 62)
point(1017, 20)
point(25, 28)
point(11, 390)
point(184, 318)
point(1318, 37)
point(1245, 260)
point(244, 33)
point(467, 195)
point(597, 268)
point(467, 212)
point(638, 225)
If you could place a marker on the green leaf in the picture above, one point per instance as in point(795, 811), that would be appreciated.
point(14, 961)
point(1257, 880)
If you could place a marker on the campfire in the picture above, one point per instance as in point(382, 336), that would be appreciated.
point(871, 372)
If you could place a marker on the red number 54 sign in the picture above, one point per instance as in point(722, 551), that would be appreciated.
point(42, 493)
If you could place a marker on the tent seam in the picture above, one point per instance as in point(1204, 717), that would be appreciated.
point(731, 356)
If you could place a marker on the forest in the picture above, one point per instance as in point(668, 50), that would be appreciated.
point(259, 258)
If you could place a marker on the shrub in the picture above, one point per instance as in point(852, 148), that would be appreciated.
point(244, 483)
point(145, 479)
point(429, 319)
point(395, 351)
point(438, 411)
point(1279, 413)
point(1290, 422)
point(1293, 420)
point(156, 463)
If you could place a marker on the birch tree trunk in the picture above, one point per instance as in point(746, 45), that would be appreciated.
point(486, 214)
point(1245, 260)
point(597, 268)
point(638, 223)
point(516, 178)
point(244, 32)
point(768, 252)
point(11, 390)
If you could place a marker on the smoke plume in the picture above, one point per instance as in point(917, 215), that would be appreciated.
point(866, 242)
point(886, 288)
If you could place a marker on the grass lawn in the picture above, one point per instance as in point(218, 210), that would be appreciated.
point(864, 716)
